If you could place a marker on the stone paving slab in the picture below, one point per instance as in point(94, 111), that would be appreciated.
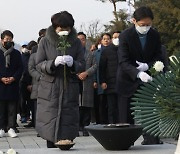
point(27, 142)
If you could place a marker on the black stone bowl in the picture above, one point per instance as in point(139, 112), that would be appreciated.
point(115, 138)
point(64, 146)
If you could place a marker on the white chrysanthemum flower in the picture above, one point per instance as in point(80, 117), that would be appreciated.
point(158, 66)
point(63, 33)
point(1, 152)
point(11, 151)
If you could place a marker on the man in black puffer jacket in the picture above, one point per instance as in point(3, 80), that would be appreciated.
point(108, 68)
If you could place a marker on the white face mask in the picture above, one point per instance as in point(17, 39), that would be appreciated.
point(99, 46)
point(115, 41)
point(24, 50)
point(143, 29)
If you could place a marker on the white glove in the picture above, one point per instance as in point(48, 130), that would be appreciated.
point(144, 77)
point(142, 66)
point(68, 60)
point(59, 60)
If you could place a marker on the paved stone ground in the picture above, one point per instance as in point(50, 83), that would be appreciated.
point(28, 143)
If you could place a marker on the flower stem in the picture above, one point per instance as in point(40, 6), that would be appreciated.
point(64, 76)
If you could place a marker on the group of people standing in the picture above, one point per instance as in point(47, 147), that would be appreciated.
point(69, 88)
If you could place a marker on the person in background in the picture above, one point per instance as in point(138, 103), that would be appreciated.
point(25, 86)
point(86, 101)
point(10, 73)
point(57, 117)
point(107, 76)
point(139, 49)
point(100, 103)
point(42, 32)
point(35, 74)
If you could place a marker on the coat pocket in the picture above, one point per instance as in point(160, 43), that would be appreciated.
point(45, 87)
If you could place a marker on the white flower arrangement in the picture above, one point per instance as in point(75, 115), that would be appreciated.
point(63, 33)
point(158, 66)
point(11, 151)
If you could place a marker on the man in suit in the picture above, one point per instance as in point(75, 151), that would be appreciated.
point(139, 48)
point(86, 101)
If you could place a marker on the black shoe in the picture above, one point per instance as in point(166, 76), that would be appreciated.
point(50, 144)
point(38, 135)
point(16, 130)
point(29, 125)
point(85, 133)
point(146, 142)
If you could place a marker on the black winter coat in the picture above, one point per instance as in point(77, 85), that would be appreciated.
point(129, 52)
point(10, 92)
point(108, 68)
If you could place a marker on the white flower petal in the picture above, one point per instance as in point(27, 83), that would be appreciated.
point(11, 151)
point(63, 33)
point(158, 66)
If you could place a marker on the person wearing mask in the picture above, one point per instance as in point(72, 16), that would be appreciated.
point(10, 73)
point(25, 86)
point(107, 76)
point(57, 117)
point(86, 101)
point(101, 102)
point(139, 49)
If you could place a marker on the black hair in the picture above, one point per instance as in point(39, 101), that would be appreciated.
point(31, 44)
point(116, 32)
point(7, 33)
point(62, 19)
point(81, 33)
point(106, 34)
point(143, 12)
point(39, 38)
point(24, 46)
point(42, 32)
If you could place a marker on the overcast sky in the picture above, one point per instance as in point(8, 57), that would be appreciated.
point(26, 17)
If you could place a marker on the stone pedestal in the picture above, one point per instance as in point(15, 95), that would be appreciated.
point(115, 138)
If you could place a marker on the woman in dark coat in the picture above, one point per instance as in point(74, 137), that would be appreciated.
point(58, 97)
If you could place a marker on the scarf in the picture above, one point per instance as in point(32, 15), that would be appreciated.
point(6, 54)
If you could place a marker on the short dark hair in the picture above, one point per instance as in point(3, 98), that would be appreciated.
point(31, 44)
point(62, 19)
point(42, 32)
point(116, 32)
point(143, 12)
point(7, 33)
point(81, 33)
point(106, 34)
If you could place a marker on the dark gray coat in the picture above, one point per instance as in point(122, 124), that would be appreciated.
point(57, 106)
point(35, 74)
point(88, 90)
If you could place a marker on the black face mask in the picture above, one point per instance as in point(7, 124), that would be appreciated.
point(8, 44)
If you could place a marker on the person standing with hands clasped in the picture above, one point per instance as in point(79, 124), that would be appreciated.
point(10, 73)
point(139, 49)
point(57, 119)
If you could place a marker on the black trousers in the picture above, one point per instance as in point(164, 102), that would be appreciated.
point(25, 101)
point(85, 116)
point(124, 106)
point(112, 108)
point(8, 114)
